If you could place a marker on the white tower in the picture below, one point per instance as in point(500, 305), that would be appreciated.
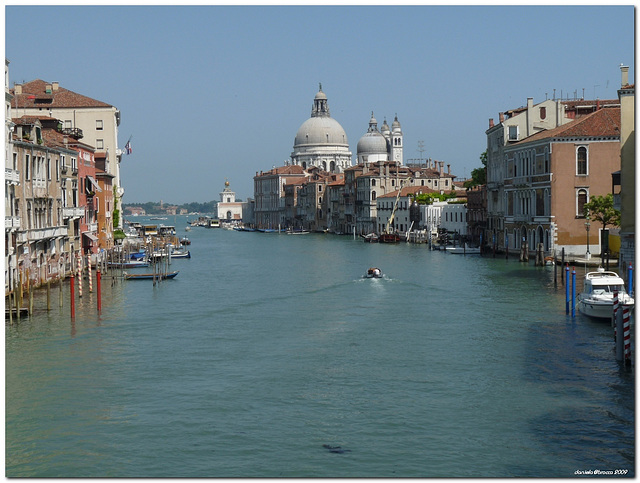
point(396, 142)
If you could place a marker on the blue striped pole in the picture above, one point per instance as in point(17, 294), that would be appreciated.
point(567, 285)
point(573, 292)
point(630, 275)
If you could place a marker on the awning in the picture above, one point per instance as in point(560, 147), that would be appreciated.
point(94, 183)
point(91, 236)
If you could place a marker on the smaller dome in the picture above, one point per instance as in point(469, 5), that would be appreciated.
point(372, 143)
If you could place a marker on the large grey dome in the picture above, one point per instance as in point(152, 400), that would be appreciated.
point(321, 130)
point(321, 142)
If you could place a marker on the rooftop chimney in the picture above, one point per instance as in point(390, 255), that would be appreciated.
point(501, 117)
point(624, 69)
point(18, 89)
point(490, 122)
point(55, 86)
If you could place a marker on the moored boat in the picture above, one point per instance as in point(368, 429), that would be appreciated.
point(389, 238)
point(128, 264)
point(596, 298)
point(150, 276)
point(370, 238)
point(463, 250)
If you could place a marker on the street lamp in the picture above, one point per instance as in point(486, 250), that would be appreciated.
point(587, 225)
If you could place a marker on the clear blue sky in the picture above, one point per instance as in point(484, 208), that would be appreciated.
point(218, 92)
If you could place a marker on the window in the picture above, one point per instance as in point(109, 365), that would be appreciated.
point(513, 133)
point(26, 167)
point(67, 124)
point(582, 161)
point(99, 143)
point(99, 126)
point(581, 199)
point(543, 113)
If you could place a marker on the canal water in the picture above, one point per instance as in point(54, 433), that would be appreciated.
point(270, 356)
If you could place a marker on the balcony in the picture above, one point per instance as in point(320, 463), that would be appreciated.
point(11, 222)
point(11, 176)
point(36, 234)
point(72, 212)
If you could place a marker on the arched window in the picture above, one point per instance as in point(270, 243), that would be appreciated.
point(373, 195)
point(582, 167)
point(582, 198)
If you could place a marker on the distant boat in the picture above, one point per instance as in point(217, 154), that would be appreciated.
point(180, 254)
point(130, 264)
point(389, 238)
point(374, 272)
point(464, 250)
point(370, 238)
point(185, 241)
point(150, 276)
point(297, 232)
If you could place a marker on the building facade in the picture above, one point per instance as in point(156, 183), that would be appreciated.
point(551, 175)
point(93, 121)
point(626, 95)
point(229, 209)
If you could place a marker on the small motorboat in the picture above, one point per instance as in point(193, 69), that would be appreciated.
point(463, 250)
point(180, 254)
point(374, 272)
point(149, 276)
point(596, 298)
point(370, 238)
point(185, 241)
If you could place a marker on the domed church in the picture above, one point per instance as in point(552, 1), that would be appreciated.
point(384, 145)
point(321, 141)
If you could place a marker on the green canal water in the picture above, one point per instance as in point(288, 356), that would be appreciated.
point(270, 356)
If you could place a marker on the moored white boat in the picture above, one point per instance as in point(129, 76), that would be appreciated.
point(463, 250)
point(596, 298)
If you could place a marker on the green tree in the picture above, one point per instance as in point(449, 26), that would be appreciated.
point(601, 209)
point(478, 175)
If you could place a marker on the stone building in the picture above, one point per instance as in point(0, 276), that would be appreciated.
point(626, 94)
point(228, 208)
point(551, 175)
point(95, 122)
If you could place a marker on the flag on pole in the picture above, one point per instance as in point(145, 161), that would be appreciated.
point(127, 147)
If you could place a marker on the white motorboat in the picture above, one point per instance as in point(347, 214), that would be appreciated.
point(596, 298)
point(463, 250)
point(374, 273)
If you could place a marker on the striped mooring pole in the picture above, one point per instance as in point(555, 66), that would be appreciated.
point(80, 276)
point(627, 335)
point(89, 272)
point(567, 285)
point(615, 312)
point(573, 292)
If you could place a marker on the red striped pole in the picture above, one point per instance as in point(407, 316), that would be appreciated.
point(98, 280)
point(627, 334)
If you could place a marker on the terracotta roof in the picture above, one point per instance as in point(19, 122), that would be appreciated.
point(602, 123)
point(34, 94)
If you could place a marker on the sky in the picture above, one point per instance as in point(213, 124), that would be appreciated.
point(210, 93)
